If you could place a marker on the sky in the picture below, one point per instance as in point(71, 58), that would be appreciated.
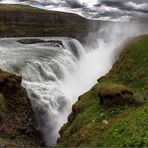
point(117, 10)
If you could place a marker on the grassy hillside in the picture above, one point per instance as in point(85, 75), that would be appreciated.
point(20, 21)
point(120, 125)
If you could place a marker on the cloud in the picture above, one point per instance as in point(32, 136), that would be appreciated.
point(142, 6)
point(75, 4)
point(10, 1)
point(104, 8)
point(93, 9)
point(126, 5)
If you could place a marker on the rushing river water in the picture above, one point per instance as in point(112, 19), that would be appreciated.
point(56, 74)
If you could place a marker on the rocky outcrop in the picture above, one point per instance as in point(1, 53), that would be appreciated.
point(55, 43)
point(17, 125)
point(31, 41)
point(114, 94)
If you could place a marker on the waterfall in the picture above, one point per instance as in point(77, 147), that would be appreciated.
point(56, 74)
point(44, 68)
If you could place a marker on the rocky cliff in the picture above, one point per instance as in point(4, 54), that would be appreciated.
point(114, 112)
point(24, 21)
point(17, 125)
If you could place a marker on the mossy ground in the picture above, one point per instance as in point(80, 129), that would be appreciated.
point(126, 125)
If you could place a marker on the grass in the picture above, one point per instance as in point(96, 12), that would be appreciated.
point(111, 88)
point(129, 132)
point(122, 126)
point(134, 66)
point(14, 7)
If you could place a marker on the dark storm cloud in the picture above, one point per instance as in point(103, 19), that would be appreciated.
point(68, 3)
point(74, 4)
point(43, 3)
point(136, 1)
point(126, 5)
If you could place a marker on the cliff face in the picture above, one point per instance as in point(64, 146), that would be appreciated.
point(17, 126)
point(24, 21)
point(119, 125)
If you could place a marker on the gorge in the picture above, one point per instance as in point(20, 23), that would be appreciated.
point(56, 74)
point(56, 71)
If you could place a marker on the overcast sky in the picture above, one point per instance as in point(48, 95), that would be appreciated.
point(122, 10)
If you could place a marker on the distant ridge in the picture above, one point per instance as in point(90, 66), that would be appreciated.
point(23, 21)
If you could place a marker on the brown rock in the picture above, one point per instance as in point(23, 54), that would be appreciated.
point(114, 94)
point(17, 126)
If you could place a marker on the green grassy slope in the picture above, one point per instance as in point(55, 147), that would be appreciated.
point(120, 126)
point(20, 21)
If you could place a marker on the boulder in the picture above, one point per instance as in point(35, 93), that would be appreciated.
point(30, 41)
point(114, 94)
point(53, 43)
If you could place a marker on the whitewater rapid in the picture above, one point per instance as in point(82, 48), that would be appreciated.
point(56, 74)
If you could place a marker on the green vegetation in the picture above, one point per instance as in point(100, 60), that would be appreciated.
point(132, 66)
point(14, 7)
point(111, 88)
point(129, 132)
point(119, 126)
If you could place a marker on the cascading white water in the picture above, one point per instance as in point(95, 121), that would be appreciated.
point(55, 75)
point(44, 67)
